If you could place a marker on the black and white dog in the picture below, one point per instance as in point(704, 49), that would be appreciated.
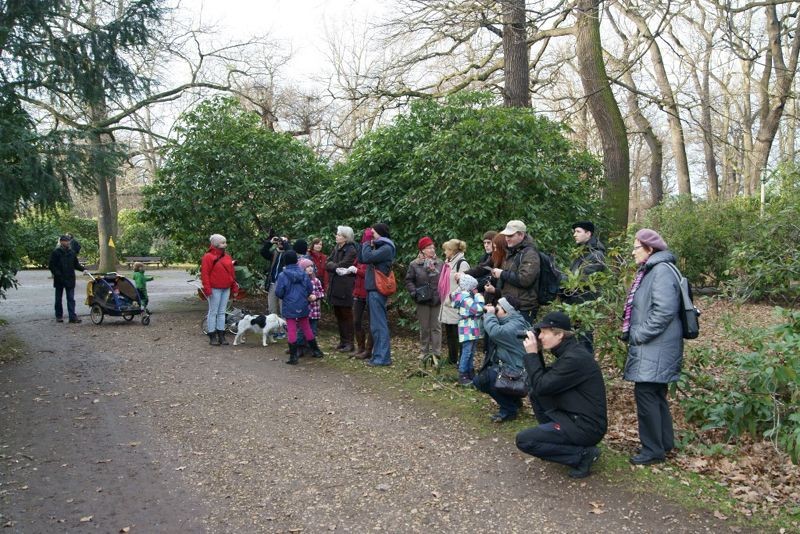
point(264, 324)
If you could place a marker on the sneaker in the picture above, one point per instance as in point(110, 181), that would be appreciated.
point(75, 320)
point(502, 418)
point(583, 469)
point(373, 363)
point(464, 379)
point(59, 319)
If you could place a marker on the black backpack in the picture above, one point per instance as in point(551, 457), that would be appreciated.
point(549, 279)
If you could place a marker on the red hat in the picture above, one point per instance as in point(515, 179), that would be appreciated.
point(424, 242)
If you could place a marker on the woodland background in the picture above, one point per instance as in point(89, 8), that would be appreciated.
point(127, 122)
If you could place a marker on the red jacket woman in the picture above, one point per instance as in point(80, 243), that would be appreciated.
point(219, 279)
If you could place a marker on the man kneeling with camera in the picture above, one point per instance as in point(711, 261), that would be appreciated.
point(569, 398)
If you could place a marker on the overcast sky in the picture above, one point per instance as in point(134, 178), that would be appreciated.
point(301, 24)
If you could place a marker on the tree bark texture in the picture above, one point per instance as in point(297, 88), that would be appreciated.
point(515, 55)
point(605, 110)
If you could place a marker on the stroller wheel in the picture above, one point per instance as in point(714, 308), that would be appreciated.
point(97, 314)
point(145, 320)
point(127, 316)
point(204, 325)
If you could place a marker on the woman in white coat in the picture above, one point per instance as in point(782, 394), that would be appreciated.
point(454, 262)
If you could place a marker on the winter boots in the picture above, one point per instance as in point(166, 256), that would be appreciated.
point(212, 338)
point(292, 354)
point(221, 337)
point(315, 352)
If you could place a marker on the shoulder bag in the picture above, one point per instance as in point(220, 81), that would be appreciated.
point(386, 284)
point(512, 381)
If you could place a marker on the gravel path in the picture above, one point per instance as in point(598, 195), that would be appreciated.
point(149, 428)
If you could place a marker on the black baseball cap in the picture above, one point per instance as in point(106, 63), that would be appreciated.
point(555, 320)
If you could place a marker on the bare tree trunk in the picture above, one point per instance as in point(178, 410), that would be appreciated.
point(653, 142)
point(774, 101)
point(604, 109)
point(668, 102)
point(515, 55)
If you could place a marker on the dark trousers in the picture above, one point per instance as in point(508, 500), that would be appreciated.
point(549, 443)
point(344, 319)
point(655, 421)
point(453, 348)
point(70, 291)
point(484, 382)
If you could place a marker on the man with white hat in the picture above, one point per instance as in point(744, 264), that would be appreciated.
point(519, 274)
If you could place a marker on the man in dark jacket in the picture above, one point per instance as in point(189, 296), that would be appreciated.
point(569, 398)
point(276, 262)
point(519, 275)
point(63, 264)
point(590, 258)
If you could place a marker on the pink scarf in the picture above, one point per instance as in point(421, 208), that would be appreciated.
point(444, 282)
point(626, 314)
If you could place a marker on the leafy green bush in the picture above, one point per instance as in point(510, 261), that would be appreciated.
point(460, 167)
point(755, 392)
point(702, 233)
point(37, 235)
point(765, 263)
point(135, 235)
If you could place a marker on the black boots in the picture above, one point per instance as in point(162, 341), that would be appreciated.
point(292, 354)
point(315, 352)
point(212, 338)
point(221, 337)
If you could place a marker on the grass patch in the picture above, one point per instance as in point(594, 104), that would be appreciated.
point(440, 393)
point(11, 347)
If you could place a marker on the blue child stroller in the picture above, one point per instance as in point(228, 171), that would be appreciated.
point(114, 295)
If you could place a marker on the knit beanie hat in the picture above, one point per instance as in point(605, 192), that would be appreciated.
point(290, 258)
point(216, 239)
point(505, 304)
point(301, 247)
point(649, 237)
point(382, 229)
point(424, 243)
point(304, 262)
point(467, 282)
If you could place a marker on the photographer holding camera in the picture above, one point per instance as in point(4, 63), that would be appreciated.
point(276, 262)
point(569, 398)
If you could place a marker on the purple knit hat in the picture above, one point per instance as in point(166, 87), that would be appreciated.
point(649, 237)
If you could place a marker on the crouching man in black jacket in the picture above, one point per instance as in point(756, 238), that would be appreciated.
point(569, 398)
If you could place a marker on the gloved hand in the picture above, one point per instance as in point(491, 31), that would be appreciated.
point(352, 269)
point(341, 271)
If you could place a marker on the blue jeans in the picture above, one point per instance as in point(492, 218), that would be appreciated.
point(379, 327)
point(60, 290)
point(484, 381)
point(467, 356)
point(314, 326)
point(217, 303)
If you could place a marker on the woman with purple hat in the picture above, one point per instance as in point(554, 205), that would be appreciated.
point(651, 326)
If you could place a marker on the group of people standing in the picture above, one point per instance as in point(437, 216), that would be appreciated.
point(348, 275)
point(496, 300)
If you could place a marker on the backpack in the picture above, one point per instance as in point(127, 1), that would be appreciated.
point(549, 277)
point(689, 315)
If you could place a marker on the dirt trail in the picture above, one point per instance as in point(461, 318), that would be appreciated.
point(150, 428)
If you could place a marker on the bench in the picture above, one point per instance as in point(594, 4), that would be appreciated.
point(85, 262)
point(147, 260)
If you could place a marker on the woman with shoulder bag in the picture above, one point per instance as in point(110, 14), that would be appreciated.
point(422, 281)
point(448, 283)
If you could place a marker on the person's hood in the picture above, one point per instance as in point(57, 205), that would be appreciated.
point(514, 317)
point(216, 251)
point(294, 273)
point(384, 241)
point(595, 244)
point(661, 256)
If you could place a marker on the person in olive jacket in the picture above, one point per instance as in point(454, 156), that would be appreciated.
point(422, 281)
point(63, 264)
point(569, 398)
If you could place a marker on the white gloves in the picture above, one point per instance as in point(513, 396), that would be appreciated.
point(352, 269)
point(341, 271)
